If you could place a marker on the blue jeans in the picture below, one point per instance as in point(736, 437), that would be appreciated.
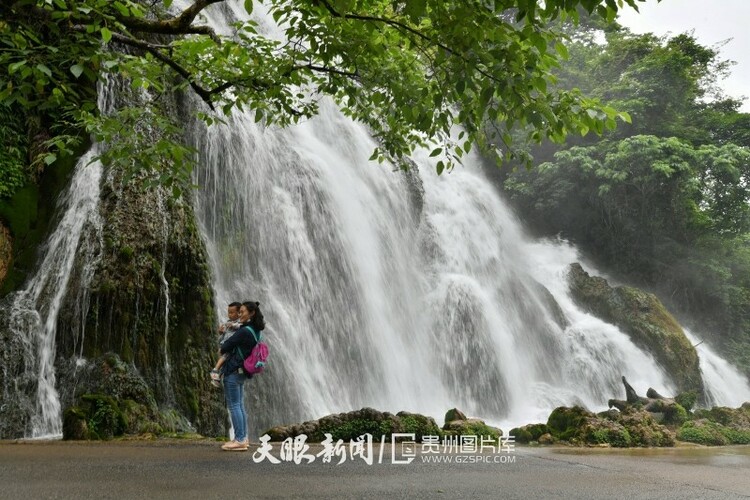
point(233, 392)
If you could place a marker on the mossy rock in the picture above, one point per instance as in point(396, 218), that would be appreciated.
point(350, 426)
point(738, 418)
point(417, 424)
point(75, 425)
point(643, 428)
point(472, 427)
point(612, 428)
point(453, 414)
point(606, 432)
point(713, 433)
point(580, 427)
point(564, 423)
point(106, 419)
point(529, 433)
point(645, 320)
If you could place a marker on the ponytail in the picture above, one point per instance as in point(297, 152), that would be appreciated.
point(257, 321)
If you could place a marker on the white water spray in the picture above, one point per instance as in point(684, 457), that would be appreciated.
point(35, 309)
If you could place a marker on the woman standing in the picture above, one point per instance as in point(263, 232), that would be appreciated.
point(238, 346)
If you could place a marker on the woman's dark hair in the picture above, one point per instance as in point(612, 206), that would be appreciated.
point(257, 321)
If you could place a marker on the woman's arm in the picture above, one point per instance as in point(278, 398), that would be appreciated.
point(235, 340)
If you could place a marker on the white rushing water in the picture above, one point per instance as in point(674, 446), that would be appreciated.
point(35, 309)
point(725, 385)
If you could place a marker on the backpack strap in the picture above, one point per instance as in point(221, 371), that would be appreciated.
point(257, 337)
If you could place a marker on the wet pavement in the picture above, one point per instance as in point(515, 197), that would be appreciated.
point(199, 469)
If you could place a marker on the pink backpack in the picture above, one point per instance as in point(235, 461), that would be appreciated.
point(256, 361)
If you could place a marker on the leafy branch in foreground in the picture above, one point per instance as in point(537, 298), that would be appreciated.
point(411, 70)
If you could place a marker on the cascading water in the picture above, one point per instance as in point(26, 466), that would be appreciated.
point(33, 315)
point(725, 386)
point(402, 291)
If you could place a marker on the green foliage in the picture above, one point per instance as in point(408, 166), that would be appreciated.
point(616, 437)
point(105, 419)
point(564, 423)
point(410, 71)
point(687, 399)
point(353, 428)
point(475, 428)
point(529, 433)
point(701, 432)
point(675, 414)
point(419, 425)
point(14, 152)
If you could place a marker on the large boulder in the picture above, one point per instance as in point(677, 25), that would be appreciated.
point(351, 425)
point(645, 320)
point(579, 426)
point(531, 433)
point(111, 398)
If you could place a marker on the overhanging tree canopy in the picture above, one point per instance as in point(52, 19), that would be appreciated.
point(410, 70)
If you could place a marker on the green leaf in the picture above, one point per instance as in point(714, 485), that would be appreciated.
point(50, 158)
point(436, 152)
point(249, 6)
point(44, 69)
point(12, 68)
point(167, 3)
point(77, 70)
point(106, 34)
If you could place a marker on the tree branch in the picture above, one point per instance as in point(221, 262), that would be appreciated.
point(178, 25)
point(156, 51)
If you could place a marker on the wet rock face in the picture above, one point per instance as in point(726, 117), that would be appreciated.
point(645, 320)
point(150, 302)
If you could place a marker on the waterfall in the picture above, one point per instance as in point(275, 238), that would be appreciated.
point(34, 311)
point(401, 291)
point(368, 305)
point(725, 386)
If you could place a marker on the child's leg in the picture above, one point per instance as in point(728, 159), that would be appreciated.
point(219, 363)
point(215, 375)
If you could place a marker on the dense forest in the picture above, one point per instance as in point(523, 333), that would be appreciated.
point(661, 203)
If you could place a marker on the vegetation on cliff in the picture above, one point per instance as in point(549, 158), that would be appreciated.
point(662, 203)
point(645, 320)
point(410, 71)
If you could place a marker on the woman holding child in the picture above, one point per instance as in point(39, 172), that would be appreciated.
point(238, 347)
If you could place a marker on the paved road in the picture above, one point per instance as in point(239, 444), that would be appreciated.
point(179, 469)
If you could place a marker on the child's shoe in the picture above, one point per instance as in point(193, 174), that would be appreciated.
point(215, 378)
